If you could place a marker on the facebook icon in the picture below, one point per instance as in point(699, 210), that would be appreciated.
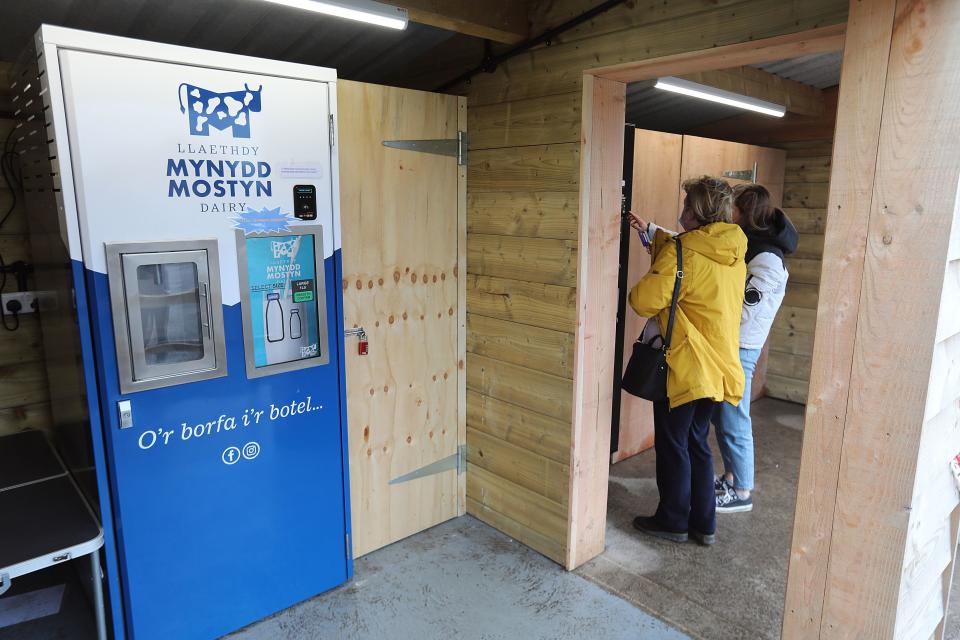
point(230, 455)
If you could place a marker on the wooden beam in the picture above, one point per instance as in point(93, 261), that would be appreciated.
point(511, 423)
point(896, 376)
point(540, 305)
point(536, 348)
point(559, 68)
point(862, 87)
point(791, 45)
point(462, 114)
point(524, 515)
point(756, 83)
point(601, 172)
point(539, 168)
point(542, 214)
point(498, 20)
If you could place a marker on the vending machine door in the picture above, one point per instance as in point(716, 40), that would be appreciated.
point(167, 316)
point(228, 481)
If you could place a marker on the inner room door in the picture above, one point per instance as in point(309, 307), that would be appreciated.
point(661, 162)
point(404, 231)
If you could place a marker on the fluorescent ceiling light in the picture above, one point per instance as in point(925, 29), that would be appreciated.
point(377, 13)
point(705, 92)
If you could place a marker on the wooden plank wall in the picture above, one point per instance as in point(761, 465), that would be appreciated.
point(806, 187)
point(24, 400)
point(522, 222)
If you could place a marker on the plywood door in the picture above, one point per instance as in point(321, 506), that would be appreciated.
point(402, 214)
point(656, 174)
point(706, 156)
point(661, 163)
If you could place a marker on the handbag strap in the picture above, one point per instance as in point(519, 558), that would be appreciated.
point(676, 293)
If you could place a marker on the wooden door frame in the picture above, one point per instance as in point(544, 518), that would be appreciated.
point(603, 115)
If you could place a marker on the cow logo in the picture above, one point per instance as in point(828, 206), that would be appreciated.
point(219, 110)
point(285, 249)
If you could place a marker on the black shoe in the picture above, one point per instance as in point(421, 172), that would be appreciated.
point(650, 526)
point(732, 503)
point(703, 539)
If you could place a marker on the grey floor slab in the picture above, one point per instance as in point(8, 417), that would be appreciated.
point(462, 580)
point(736, 588)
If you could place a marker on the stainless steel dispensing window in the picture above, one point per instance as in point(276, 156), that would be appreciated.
point(167, 312)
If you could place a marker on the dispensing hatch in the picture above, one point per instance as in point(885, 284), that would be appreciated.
point(167, 313)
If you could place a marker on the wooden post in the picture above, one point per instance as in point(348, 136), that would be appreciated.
point(862, 82)
point(601, 171)
point(875, 524)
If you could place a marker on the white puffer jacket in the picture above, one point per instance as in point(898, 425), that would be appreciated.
point(766, 286)
point(767, 276)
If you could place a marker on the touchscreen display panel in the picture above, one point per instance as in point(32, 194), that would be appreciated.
point(283, 293)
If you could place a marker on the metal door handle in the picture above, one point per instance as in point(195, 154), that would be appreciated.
point(125, 414)
point(207, 309)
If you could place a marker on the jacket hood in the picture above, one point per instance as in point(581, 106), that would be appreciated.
point(779, 238)
point(721, 242)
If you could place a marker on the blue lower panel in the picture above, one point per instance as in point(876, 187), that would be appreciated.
point(228, 493)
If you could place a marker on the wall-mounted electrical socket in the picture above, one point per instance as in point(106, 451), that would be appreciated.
point(27, 301)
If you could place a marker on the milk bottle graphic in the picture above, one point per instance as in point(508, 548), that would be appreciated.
point(296, 327)
point(273, 318)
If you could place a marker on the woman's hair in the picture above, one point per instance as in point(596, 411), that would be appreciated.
point(709, 199)
point(753, 201)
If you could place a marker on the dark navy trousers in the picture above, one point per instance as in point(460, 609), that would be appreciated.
point(685, 466)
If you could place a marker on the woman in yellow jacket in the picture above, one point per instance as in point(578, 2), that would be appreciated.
point(704, 361)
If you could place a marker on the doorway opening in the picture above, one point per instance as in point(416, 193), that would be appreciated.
point(736, 589)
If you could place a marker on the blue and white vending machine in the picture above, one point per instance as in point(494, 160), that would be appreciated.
point(196, 198)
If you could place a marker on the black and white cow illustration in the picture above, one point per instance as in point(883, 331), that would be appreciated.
point(219, 110)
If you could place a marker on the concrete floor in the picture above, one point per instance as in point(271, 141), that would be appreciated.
point(464, 580)
point(461, 580)
point(735, 589)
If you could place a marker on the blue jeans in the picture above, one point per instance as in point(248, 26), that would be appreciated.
point(735, 429)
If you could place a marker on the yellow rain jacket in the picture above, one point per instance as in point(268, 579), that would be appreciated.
point(704, 356)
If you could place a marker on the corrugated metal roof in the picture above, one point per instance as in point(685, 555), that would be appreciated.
point(249, 27)
point(820, 70)
point(651, 108)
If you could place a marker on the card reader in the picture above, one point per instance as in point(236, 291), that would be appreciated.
point(305, 201)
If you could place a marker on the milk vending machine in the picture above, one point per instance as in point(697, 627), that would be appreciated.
point(184, 220)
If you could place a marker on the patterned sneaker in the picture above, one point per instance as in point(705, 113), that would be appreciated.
point(730, 502)
point(721, 486)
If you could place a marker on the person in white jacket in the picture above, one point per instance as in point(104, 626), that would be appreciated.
point(770, 237)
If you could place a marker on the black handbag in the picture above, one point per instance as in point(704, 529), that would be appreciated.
point(646, 373)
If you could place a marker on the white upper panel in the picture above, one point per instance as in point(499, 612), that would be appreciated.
point(165, 150)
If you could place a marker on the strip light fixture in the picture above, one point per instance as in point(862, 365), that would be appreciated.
point(705, 92)
point(377, 13)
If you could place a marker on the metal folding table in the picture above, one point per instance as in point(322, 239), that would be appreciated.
point(44, 519)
